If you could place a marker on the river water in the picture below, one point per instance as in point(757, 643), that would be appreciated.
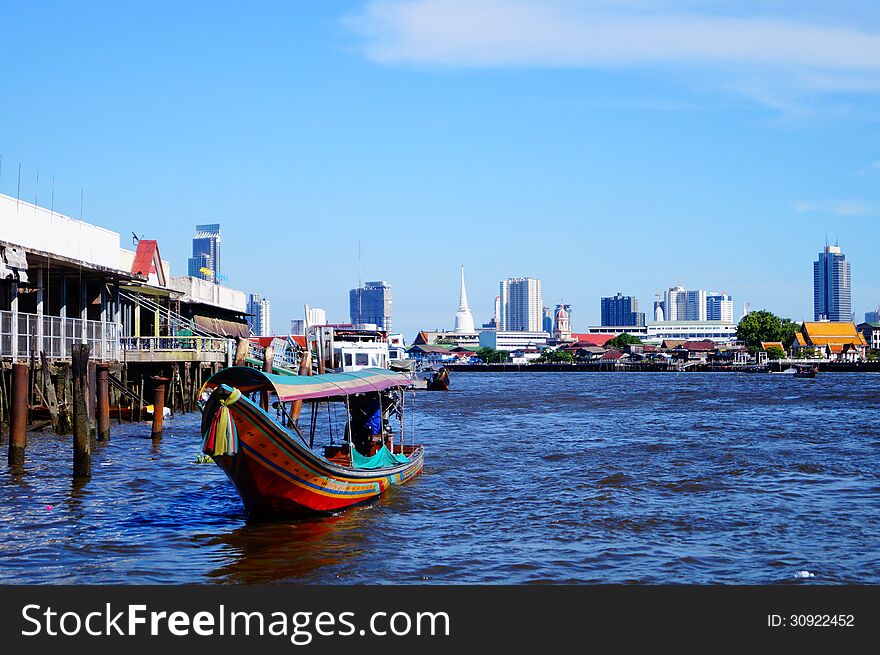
point(529, 478)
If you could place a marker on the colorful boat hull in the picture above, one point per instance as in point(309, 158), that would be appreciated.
point(276, 474)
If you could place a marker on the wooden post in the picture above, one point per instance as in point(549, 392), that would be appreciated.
point(18, 414)
point(82, 442)
point(90, 401)
point(158, 405)
point(102, 401)
point(268, 356)
point(49, 393)
point(241, 352)
point(141, 399)
point(305, 368)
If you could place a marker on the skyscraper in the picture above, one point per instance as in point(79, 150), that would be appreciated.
point(675, 304)
point(719, 306)
point(371, 304)
point(621, 310)
point(832, 293)
point(520, 305)
point(260, 317)
point(695, 308)
point(873, 316)
point(205, 260)
point(464, 320)
point(547, 319)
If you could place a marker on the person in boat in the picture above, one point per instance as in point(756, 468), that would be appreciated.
point(366, 422)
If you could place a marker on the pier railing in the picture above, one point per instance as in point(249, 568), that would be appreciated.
point(24, 334)
point(195, 344)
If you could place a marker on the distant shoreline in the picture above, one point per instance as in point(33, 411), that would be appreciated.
point(824, 367)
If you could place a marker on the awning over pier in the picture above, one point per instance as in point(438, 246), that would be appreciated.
point(307, 387)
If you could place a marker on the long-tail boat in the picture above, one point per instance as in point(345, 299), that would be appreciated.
point(275, 466)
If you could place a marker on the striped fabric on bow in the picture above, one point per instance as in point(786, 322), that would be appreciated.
point(222, 436)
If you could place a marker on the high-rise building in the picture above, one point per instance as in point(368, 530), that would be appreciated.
point(205, 260)
point(464, 320)
point(371, 304)
point(547, 319)
point(675, 304)
point(259, 315)
point(695, 309)
point(621, 310)
point(314, 316)
point(873, 317)
point(832, 293)
point(520, 305)
point(719, 306)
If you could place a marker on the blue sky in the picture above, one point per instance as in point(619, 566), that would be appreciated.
point(599, 146)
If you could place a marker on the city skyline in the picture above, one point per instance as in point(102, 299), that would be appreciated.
point(537, 154)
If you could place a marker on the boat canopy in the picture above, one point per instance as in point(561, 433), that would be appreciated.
point(306, 387)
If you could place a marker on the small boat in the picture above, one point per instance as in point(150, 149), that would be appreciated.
point(440, 381)
point(806, 370)
point(275, 468)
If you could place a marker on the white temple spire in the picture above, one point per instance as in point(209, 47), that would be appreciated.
point(464, 321)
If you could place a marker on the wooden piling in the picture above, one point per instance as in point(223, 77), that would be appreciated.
point(242, 348)
point(49, 394)
point(102, 401)
point(305, 368)
point(268, 356)
point(18, 414)
point(82, 441)
point(140, 400)
point(158, 405)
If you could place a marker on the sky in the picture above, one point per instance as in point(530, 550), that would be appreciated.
point(599, 146)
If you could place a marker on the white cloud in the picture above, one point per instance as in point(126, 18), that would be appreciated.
point(773, 59)
point(844, 208)
point(566, 33)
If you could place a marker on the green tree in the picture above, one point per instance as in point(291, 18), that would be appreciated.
point(623, 339)
point(775, 352)
point(757, 327)
point(556, 357)
point(492, 356)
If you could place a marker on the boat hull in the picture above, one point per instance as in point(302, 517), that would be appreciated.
point(275, 474)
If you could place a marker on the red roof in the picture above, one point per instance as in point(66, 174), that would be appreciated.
point(612, 354)
point(147, 260)
point(705, 344)
point(592, 339)
point(299, 339)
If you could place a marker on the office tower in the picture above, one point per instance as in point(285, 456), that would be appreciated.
point(371, 304)
point(547, 320)
point(832, 293)
point(719, 306)
point(315, 316)
point(464, 320)
point(695, 309)
point(259, 315)
point(205, 260)
point(621, 310)
point(675, 304)
point(520, 305)
point(873, 317)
